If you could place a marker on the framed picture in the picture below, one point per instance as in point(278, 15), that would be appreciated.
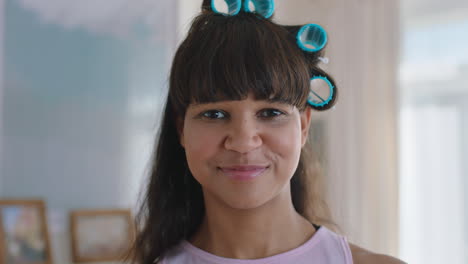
point(24, 236)
point(101, 235)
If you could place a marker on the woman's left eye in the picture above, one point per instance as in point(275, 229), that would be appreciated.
point(269, 113)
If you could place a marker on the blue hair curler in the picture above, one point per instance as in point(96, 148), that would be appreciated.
point(312, 38)
point(320, 97)
point(228, 8)
point(265, 8)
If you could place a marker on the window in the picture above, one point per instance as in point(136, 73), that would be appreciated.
point(434, 132)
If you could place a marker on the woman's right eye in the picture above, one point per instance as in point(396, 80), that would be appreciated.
point(214, 114)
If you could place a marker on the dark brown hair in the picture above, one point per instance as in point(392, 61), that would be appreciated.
point(222, 58)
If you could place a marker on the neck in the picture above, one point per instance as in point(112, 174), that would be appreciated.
point(269, 230)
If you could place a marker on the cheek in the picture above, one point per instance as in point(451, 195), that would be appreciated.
point(286, 145)
point(201, 145)
point(286, 140)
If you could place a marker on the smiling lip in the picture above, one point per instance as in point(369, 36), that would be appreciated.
point(243, 173)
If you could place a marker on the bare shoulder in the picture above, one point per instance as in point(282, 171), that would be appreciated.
point(363, 256)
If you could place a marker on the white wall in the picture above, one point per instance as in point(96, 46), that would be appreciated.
point(187, 9)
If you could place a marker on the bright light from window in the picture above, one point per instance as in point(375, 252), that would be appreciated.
point(434, 137)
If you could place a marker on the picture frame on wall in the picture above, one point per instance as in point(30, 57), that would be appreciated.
point(24, 235)
point(101, 235)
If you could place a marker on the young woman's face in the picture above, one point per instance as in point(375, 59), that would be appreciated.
point(244, 153)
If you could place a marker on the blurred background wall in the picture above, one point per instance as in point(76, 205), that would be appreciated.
point(82, 86)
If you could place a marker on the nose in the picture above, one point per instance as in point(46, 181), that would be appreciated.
point(243, 135)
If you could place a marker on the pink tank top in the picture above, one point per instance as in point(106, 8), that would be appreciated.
point(324, 247)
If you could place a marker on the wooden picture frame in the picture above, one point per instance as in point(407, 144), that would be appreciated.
point(101, 235)
point(24, 235)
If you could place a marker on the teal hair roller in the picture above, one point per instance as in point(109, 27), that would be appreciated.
point(226, 7)
point(264, 8)
point(321, 92)
point(312, 38)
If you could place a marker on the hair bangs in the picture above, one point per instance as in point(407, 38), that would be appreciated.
point(228, 58)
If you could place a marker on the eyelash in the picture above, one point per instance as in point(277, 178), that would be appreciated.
point(226, 115)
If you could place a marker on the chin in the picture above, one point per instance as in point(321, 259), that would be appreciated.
point(247, 202)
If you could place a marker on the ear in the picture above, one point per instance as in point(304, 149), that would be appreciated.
point(306, 117)
point(179, 122)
